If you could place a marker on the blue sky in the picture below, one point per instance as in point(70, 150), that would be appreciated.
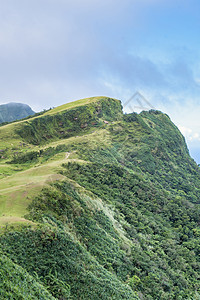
point(57, 51)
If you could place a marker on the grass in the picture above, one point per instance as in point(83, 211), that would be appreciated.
point(116, 202)
point(9, 139)
point(13, 220)
point(18, 190)
point(19, 184)
point(8, 170)
point(72, 105)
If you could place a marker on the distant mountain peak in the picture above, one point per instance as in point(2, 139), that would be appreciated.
point(14, 111)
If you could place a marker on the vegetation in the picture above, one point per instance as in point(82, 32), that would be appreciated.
point(111, 209)
point(70, 122)
point(14, 111)
point(16, 283)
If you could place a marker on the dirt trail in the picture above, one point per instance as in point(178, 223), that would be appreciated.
point(67, 155)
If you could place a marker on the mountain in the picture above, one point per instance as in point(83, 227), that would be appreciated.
point(14, 111)
point(97, 204)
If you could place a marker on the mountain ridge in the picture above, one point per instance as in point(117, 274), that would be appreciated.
point(102, 205)
point(14, 111)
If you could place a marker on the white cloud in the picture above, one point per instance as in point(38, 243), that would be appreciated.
point(189, 134)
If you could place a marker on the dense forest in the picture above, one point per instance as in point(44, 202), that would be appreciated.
point(119, 218)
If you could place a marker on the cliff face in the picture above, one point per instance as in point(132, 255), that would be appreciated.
point(14, 111)
point(101, 205)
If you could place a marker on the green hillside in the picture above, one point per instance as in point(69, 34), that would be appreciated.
point(95, 204)
point(14, 111)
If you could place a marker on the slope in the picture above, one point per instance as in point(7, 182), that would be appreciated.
point(113, 200)
point(30, 165)
point(15, 283)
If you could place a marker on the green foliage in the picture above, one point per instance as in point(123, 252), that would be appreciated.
point(69, 123)
point(17, 284)
point(124, 223)
point(29, 157)
point(63, 265)
point(152, 218)
point(34, 156)
point(134, 281)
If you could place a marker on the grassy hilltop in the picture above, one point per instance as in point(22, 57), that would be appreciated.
point(33, 150)
point(95, 204)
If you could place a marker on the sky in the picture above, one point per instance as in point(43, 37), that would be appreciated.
point(57, 51)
